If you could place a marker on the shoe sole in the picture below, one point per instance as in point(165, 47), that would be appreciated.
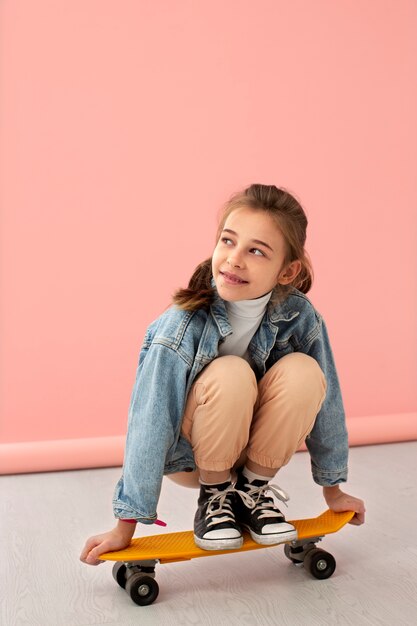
point(219, 544)
point(269, 540)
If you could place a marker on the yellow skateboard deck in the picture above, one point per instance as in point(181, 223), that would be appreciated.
point(134, 567)
point(180, 546)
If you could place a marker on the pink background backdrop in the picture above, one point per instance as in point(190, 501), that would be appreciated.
point(125, 126)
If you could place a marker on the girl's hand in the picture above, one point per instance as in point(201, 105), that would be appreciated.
point(117, 539)
point(339, 501)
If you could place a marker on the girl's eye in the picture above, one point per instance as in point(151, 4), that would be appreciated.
point(257, 250)
point(228, 241)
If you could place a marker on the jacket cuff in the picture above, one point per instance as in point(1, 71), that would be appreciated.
point(326, 478)
point(121, 511)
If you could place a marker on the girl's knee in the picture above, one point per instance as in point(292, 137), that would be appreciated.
point(231, 361)
point(221, 401)
point(301, 371)
point(233, 372)
point(300, 362)
point(309, 365)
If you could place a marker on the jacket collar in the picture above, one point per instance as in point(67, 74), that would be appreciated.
point(219, 313)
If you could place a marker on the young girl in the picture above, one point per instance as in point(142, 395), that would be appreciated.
point(231, 380)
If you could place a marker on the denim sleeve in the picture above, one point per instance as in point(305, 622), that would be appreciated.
point(328, 441)
point(155, 416)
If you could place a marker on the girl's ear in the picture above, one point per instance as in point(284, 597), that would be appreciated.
point(289, 273)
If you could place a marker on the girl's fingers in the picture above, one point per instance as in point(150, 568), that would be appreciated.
point(93, 557)
point(90, 544)
point(358, 519)
point(93, 560)
point(359, 508)
point(90, 551)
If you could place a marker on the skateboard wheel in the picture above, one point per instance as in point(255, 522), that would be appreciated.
point(288, 553)
point(142, 589)
point(319, 563)
point(119, 574)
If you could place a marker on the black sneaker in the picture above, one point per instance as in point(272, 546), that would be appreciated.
point(264, 520)
point(215, 527)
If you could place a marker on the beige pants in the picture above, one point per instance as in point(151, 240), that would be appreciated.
point(229, 417)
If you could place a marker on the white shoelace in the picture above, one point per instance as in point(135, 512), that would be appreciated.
point(224, 509)
point(223, 513)
point(265, 507)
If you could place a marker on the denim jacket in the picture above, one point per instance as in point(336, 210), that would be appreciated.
point(176, 347)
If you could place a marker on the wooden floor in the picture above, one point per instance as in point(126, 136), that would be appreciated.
point(46, 518)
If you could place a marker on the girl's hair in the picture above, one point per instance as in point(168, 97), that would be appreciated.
point(292, 222)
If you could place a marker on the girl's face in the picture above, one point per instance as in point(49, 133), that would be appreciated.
point(248, 259)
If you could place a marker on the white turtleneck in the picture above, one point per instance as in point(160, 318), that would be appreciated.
point(245, 317)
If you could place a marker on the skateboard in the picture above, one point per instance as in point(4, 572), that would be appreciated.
point(134, 568)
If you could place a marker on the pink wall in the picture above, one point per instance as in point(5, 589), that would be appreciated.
point(126, 125)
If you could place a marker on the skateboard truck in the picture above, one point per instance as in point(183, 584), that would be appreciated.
point(318, 562)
